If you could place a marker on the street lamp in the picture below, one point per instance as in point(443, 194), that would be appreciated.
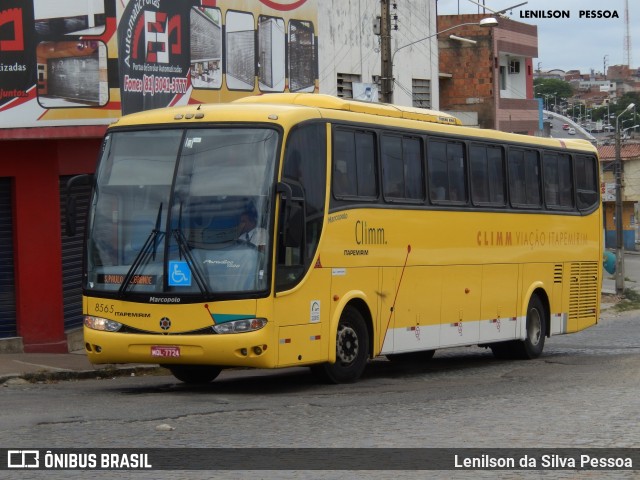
point(462, 39)
point(619, 238)
point(387, 93)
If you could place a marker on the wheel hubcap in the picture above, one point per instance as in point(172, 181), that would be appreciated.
point(347, 344)
point(534, 327)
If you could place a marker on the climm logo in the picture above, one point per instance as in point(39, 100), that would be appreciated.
point(366, 235)
point(494, 239)
point(7, 18)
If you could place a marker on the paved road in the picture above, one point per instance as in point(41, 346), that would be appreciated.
point(583, 392)
point(558, 132)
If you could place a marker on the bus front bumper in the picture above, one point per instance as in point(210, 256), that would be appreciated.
point(249, 349)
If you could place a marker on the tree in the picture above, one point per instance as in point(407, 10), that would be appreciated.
point(553, 88)
point(624, 100)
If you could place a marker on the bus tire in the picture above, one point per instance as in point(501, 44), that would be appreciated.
point(533, 344)
point(352, 350)
point(193, 374)
point(422, 356)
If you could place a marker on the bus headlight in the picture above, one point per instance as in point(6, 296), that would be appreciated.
point(241, 326)
point(104, 324)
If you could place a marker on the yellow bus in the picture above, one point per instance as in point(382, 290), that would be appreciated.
point(306, 230)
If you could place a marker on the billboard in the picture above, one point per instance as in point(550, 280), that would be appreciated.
point(87, 62)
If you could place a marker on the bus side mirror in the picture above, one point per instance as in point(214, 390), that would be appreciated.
point(71, 204)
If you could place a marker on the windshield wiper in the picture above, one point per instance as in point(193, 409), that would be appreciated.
point(148, 250)
point(185, 252)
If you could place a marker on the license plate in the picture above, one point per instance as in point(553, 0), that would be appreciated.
point(162, 351)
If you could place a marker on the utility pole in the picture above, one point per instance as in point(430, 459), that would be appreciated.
point(619, 231)
point(619, 227)
point(386, 74)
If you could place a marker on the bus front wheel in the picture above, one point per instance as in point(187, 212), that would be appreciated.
point(352, 350)
point(193, 374)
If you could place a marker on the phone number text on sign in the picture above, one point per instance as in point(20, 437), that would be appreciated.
point(152, 84)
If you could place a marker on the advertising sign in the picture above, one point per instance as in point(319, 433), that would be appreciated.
point(86, 62)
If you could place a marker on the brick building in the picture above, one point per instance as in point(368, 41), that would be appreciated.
point(494, 76)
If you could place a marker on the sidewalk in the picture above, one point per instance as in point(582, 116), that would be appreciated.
point(35, 367)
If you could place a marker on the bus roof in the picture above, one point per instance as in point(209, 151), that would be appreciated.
point(330, 102)
point(287, 108)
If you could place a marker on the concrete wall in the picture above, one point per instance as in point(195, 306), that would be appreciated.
point(347, 44)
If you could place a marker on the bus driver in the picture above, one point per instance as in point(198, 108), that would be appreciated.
point(249, 232)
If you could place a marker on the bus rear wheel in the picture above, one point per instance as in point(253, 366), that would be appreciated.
point(533, 344)
point(194, 374)
point(352, 350)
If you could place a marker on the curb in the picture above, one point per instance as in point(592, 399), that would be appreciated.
point(107, 372)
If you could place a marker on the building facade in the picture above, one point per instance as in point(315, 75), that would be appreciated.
point(349, 50)
point(630, 159)
point(494, 76)
point(78, 73)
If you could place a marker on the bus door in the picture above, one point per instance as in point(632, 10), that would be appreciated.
point(303, 287)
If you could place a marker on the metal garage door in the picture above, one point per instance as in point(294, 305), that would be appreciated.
point(75, 78)
point(7, 277)
point(72, 255)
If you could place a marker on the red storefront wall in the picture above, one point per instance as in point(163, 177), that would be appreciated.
point(35, 159)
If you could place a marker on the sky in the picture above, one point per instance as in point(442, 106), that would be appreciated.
point(569, 43)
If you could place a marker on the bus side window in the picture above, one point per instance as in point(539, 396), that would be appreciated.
point(447, 171)
point(438, 185)
point(586, 182)
point(354, 165)
point(340, 179)
point(392, 166)
point(487, 174)
point(524, 178)
point(557, 180)
point(402, 176)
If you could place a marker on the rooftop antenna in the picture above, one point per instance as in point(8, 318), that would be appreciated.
point(627, 35)
point(500, 13)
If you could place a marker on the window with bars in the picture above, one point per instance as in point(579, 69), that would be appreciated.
point(421, 93)
point(345, 84)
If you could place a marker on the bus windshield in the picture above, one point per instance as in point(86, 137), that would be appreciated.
point(183, 211)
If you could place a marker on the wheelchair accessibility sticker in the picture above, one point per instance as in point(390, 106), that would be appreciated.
point(179, 274)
